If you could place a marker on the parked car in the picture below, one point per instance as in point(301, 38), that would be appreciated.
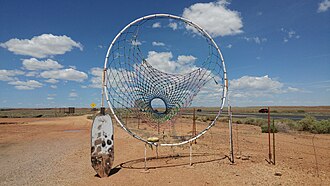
point(264, 110)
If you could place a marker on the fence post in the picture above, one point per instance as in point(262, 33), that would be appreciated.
point(269, 148)
point(273, 141)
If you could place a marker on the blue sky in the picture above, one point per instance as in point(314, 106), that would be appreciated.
point(276, 52)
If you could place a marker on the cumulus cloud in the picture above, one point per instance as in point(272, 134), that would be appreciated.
point(9, 75)
point(164, 62)
point(184, 60)
point(161, 61)
point(41, 46)
point(257, 85)
point(229, 46)
point(65, 74)
point(173, 25)
point(155, 43)
point(53, 81)
point(53, 86)
point(96, 80)
point(26, 85)
point(324, 6)
point(31, 74)
point(156, 25)
point(215, 18)
point(35, 64)
point(254, 86)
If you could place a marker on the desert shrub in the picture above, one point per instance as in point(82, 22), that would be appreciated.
point(321, 127)
point(307, 123)
point(202, 118)
point(264, 128)
point(222, 119)
point(238, 121)
point(300, 111)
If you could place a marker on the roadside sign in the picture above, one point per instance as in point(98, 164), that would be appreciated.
point(93, 105)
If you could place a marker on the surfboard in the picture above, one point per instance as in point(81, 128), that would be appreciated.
point(102, 147)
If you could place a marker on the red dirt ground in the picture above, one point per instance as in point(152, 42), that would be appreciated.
point(56, 151)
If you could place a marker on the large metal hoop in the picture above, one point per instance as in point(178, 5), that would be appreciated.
point(225, 87)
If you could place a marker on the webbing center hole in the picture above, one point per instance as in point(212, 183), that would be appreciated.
point(158, 106)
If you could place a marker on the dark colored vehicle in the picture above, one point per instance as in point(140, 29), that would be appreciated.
point(263, 110)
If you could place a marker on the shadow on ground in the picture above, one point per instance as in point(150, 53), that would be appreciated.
point(167, 161)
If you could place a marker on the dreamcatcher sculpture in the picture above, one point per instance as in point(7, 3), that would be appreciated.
point(155, 70)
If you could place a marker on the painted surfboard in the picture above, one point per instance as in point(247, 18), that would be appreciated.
point(102, 147)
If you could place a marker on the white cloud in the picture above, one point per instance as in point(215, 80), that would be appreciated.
point(257, 40)
point(173, 25)
point(293, 89)
point(35, 64)
point(96, 80)
point(184, 60)
point(31, 74)
point(289, 34)
point(253, 86)
point(53, 81)
point(9, 75)
point(73, 94)
point(324, 6)
point(155, 43)
point(41, 46)
point(229, 46)
point(136, 43)
point(53, 86)
point(65, 74)
point(163, 61)
point(156, 25)
point(215, 18)
point(26, 85)
point(51, 96)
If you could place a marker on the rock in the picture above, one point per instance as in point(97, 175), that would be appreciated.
point(245, 158)
point(238, 157)
point(278, 174)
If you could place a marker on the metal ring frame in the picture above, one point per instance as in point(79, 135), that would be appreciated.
point(225, 88)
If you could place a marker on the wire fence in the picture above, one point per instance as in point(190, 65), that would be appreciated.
point(296, 148)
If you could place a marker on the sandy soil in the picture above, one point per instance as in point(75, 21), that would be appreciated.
point(56, 151)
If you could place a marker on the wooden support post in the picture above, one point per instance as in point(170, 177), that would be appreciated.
point(231, 136)
point(190, 153)
point(139, 121)
point(145, 156)
point(126, 122)
point(269, 147)
point(194, 129)
point(273, 142)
